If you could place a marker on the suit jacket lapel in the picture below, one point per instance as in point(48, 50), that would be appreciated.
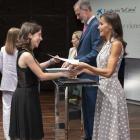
point(87, 29)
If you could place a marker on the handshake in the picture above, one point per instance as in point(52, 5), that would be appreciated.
point(76, 69)
point(74, 66)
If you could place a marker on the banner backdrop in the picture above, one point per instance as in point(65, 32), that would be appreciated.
point(129, 12)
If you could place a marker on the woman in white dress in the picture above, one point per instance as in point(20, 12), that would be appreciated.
point(111, 115)
point(75, 41)
point(8, 56)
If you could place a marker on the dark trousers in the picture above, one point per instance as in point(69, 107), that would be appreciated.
point(89, 95)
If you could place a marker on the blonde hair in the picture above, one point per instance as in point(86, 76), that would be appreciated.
point(77, 34)
point(11, 40)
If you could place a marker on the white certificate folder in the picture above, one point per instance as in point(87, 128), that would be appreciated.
point(55, 70)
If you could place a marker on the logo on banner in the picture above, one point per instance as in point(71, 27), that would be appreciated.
point(122, 10)
point(99, 12)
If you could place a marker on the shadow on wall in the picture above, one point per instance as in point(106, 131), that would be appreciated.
point(121, 72)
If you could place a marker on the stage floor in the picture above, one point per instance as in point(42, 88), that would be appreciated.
point(47, 106)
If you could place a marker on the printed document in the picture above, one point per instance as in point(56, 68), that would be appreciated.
point(72, 61)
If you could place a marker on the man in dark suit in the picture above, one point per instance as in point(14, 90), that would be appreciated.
point(87, 52)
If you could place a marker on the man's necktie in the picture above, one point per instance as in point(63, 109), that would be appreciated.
point(85, 26)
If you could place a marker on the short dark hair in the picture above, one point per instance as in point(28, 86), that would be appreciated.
point(83, 4)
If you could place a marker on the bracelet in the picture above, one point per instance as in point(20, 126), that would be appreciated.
point(52, 63)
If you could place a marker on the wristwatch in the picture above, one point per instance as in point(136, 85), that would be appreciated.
point(52, 63)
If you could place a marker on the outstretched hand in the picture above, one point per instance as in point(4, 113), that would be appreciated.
point(76, 71)
point(65, 65)
point(55, 59)
point(79, 65)
point(68, 74)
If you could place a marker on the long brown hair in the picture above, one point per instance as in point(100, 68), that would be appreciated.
point(117, 31)
point(23, 40)
point(11, 40)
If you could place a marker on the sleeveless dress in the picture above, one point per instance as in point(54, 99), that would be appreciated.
point(26, 117)
point(111, 115)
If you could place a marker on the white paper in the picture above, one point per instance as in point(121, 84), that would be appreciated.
point(72, 61)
